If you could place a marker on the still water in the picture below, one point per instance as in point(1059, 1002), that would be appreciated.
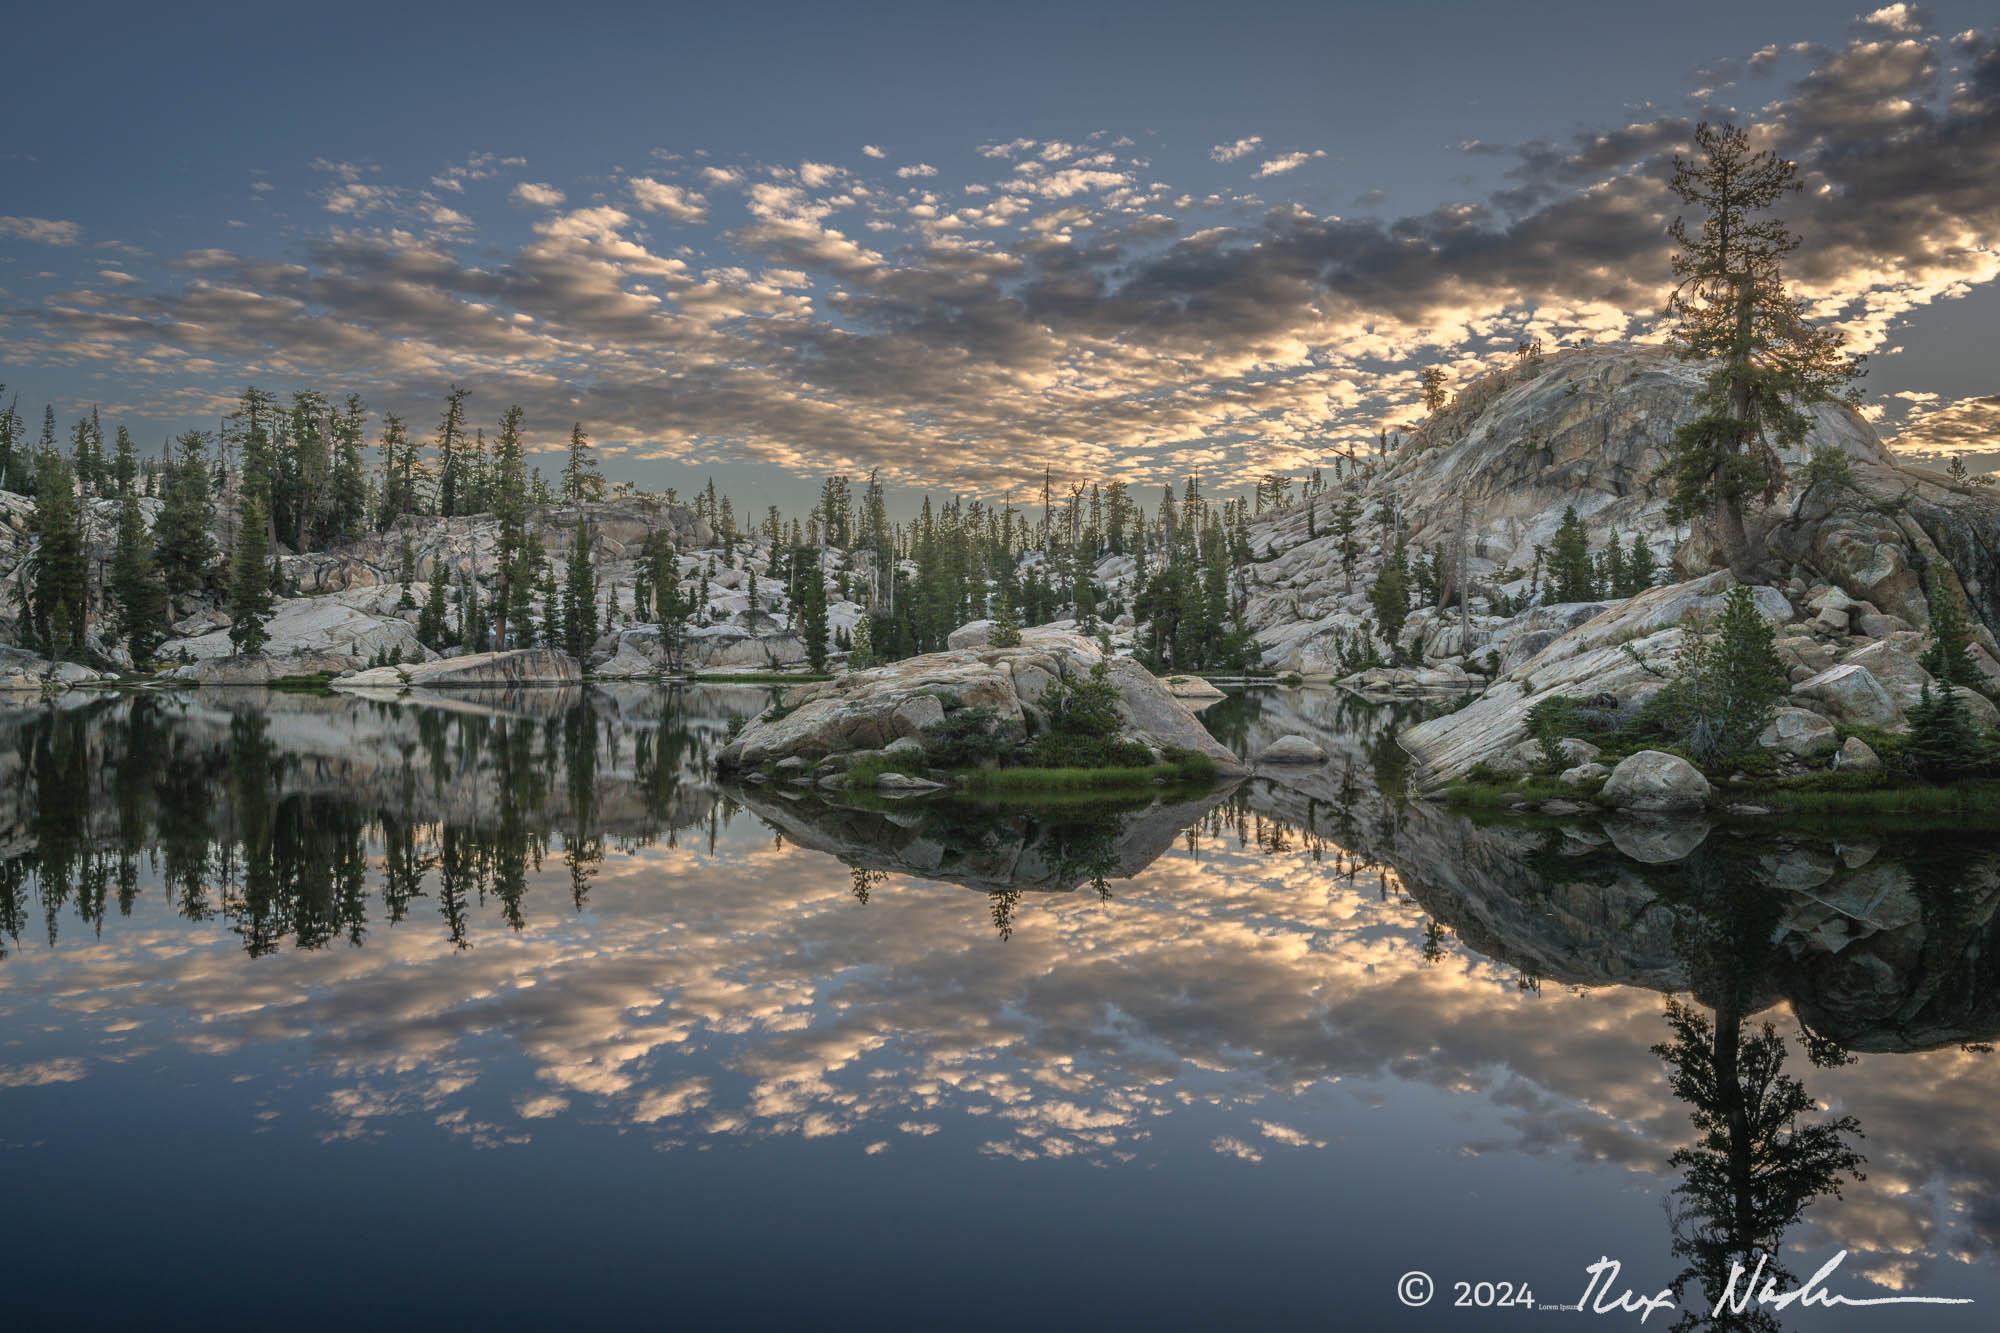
point(503, 1012)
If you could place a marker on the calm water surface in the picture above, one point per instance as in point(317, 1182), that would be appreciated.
point(503, 1012)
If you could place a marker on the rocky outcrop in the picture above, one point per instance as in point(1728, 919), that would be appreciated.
point(867, 710)
point(1620, 656)
point(359, 627)
point(258, 669)
point(26, 675)
point(1589, 428)
point(504, 670)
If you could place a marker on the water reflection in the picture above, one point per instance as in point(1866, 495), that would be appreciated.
point(488, 920)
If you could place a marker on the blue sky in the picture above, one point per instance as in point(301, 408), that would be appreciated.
point(956, 244)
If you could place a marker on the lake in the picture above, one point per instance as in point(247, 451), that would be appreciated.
point(501, 1011)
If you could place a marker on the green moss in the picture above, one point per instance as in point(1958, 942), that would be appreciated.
point(861, 774)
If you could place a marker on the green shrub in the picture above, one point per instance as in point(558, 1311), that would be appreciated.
point(969, 737)
point(1059, 750)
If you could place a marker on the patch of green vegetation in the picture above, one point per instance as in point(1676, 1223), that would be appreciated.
point(861, 774)
point(1844, 794)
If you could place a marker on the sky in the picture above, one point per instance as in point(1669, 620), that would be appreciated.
point(953, 244)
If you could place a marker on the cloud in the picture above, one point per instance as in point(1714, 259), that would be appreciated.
point(659, 197)
point(42, 231)
point(916, 169)
point(1071, 308)
point(537, 195)
point(870, 150)
point(1229, 152)
point(1278, 166)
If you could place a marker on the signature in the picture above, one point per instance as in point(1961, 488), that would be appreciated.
point(1746, 1288)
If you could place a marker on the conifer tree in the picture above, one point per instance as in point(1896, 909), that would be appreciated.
point(579, 602)
point(57, 594)
point(181, 533)
point(250, 577)
point(1390, 599)
point(1731, 310)
point(450, 440)
point(581, 481)
point(349, 483)
point(433, 622)
point(1006, 624)
point(138, 593)
point(1949, 658)
point(124, 464)
point(1431, 380)
point(1570, 574)
point(811, 604)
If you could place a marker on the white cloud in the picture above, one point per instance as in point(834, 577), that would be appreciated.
point(916, 169)
point(44, 231)
point(538, 195)
point(1278, 166)
point(818, 175)
point(659, 197)
point(870, 150)
point(1229, 152)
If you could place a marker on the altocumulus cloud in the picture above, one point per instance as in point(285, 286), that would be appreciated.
point(1062, 303)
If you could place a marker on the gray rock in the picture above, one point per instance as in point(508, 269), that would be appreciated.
point(522, 666)
point(866, 710)
point(1856, 757)
point(894, 781)
point(1655, 780)
point(1851, 696)
point(1584, 774)
point(1799, 733)
point(258, 669)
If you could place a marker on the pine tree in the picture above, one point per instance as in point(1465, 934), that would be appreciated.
point(811, 603)
point(58, 593)
point(406, 572)
point(138, 593)
point(349, 484)
point(1640, 569)
point(1944, 741)
point(1390, 599)
point(181, 533)
point(450, 440)
point(1431, 380)
point(1729, 681)
point(1570, 574)
point(1731, 310)
point(1345, 520)
point(1006, 624)
point(124, 464)
point(581, 481)
point(250, 577)
point(579, 603)
point(13, 447)
point(1949, 658)
point(433, 622)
